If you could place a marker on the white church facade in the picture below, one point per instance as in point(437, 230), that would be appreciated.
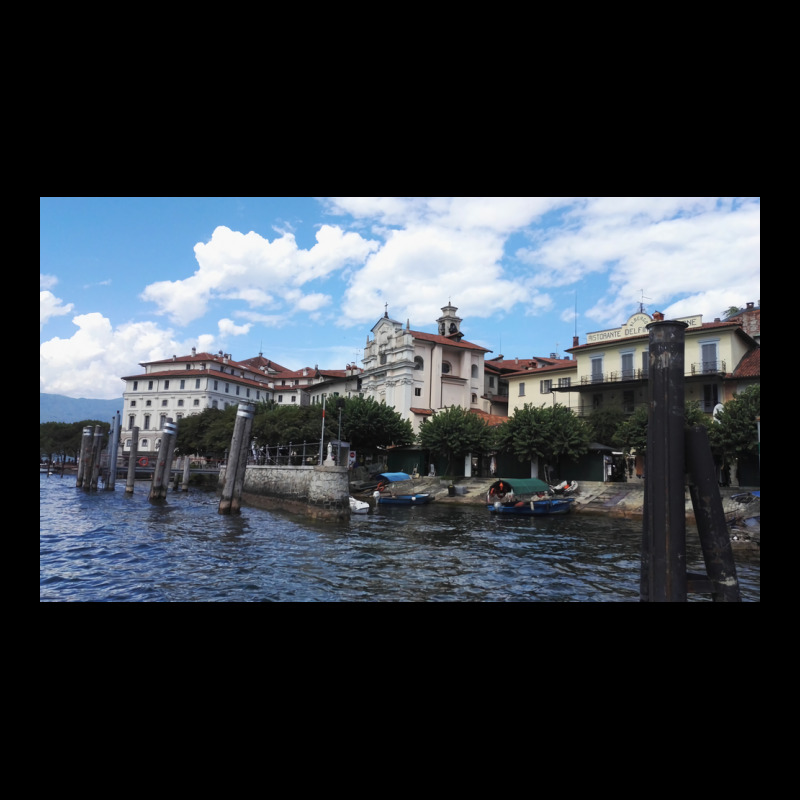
point(421, 373)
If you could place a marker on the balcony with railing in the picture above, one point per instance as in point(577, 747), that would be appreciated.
point(618, 376)
point(716, 368)
point(707, 368)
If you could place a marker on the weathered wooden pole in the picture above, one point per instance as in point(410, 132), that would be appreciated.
point(170, 456)
point(113, 447)
point(97, 443)
point(712, 527)
point(185, 483)
point(663, 575)
point(133, 457)
point(161, 460)
point(230, 502)
point(85, 457)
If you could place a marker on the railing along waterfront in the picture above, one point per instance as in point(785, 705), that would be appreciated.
point(293, 454)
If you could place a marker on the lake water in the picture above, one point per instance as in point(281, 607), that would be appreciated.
point(117, 547)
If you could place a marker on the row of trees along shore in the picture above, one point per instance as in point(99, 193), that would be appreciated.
point(370, 427)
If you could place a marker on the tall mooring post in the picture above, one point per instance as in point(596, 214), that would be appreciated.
point(231, 500)
point(677, 456)
point(133, 456)
point(113, 447)
point(158, 489)
point(85, 458)
point(712, 527)
point(663, 574)
point(97, 447)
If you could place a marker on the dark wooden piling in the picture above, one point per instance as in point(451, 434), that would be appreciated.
point(230, 502)
point(185, 482)
point(170, 455)
point(133, 457)
point(157, 491)
point(712, 527)
point(663, 573)
point(85, 457)
point(97, 446)
point(113, 450)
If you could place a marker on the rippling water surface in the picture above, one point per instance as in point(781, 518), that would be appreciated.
point(112, 546)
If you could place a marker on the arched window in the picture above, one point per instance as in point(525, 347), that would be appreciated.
point(418, 362)
point(445, 367)
point(474, 370)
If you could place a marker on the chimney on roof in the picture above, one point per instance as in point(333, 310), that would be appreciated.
point(194, 351)
point(749, 306)
point(658, 316)
point(575, 341)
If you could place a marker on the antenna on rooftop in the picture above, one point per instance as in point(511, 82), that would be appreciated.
point(641, 304)
point(576, 312)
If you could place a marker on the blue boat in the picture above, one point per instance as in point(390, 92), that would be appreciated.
point(534, 508)
point(417, 499)
point(384, 496)
point(525, 497)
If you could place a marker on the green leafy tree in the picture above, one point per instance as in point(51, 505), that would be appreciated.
point(632, 433)
point(735, 434)
point(368, 425)
point(278, 425)
point(207, 434)
point(61, 440)
point(546, 433)
point(454, 433)
point(603, 424)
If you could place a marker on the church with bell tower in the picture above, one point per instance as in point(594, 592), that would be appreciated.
point(420, 373)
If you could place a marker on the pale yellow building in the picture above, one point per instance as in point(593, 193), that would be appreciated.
point(611, 369)
point(543, 386)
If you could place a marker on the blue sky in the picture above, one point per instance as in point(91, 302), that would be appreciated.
point(124, 280)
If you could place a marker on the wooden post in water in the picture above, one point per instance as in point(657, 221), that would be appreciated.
point(170, 455)
point(712, 526)
point(230, 502)
point(85, 457)
point(185, 483)
point(663, 574)
point(113, 447)
point(133, 457)
point(97, 443)
point(158, 473)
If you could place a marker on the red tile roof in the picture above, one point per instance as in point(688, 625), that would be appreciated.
point(750, 365)
point(444, 340)
point(491, 420)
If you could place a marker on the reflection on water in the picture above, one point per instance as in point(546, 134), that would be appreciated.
point(110, 546)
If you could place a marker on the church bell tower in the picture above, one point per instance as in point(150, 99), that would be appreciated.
point(450, 324)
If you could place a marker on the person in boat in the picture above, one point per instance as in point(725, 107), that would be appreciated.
point(502, 491)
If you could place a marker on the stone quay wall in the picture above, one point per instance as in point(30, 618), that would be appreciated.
point(318, 491)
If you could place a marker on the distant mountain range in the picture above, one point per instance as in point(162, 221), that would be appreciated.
point(57, 408)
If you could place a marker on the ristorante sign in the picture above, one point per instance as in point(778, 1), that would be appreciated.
point(635, 326)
